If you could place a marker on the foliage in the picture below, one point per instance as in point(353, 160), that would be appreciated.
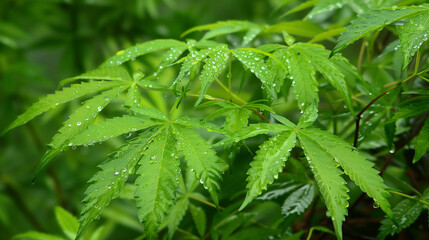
point(323, 126)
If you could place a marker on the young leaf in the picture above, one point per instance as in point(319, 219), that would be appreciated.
point(199, 217)
point(59, 97)
point(422, 142)
point(200, 158)
point(67, 222)
point(269, 161)
point(328, 177)
point(78, 121)
point(412, 35)
point(111, 128)
point(109, 181)
point(215, 61)
point(159, 174)
point(299, 200)
point(372, 21)
point(404, 214)
point(360, 170)
point(303, 79)
point(133, 52)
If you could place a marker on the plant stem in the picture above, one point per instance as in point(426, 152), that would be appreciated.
point(361, 52)
point(358, 116)
point(205, 202)
point(408, 196)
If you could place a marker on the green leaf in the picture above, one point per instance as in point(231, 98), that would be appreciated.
point(111, 128)
point(254, 130)
point(159, 174)
point(328, 177)
point(413, 107)
point(200, 158)
point(199, 217)
point(298, 28)
point(360, 170)
point(198, 123)
point(236, 119)
point(113, 73)
point(319, 58)
point(32, 235)
point(299, 200)
point(404, 214)
point(269, 161)
point(228, 27)
point(412, 35)
point(77, 122)
point(302, 74)
point(309, 116)
point(176, 214)
point(215, 62)
point(255, 62)
point(52, 101)
point(422, 142)
point(323, 6)
point(372, 21)
point(279, 189)
point(133, 96)
point(193, 60)
point(67, 222)
point(135, 51)
point(109, 181)
point(149, 113)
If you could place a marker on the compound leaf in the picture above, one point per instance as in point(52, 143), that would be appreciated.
point(269, 161)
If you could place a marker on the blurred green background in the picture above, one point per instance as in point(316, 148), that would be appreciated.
point(45, 41)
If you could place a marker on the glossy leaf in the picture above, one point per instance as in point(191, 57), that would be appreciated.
point(269, 161)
